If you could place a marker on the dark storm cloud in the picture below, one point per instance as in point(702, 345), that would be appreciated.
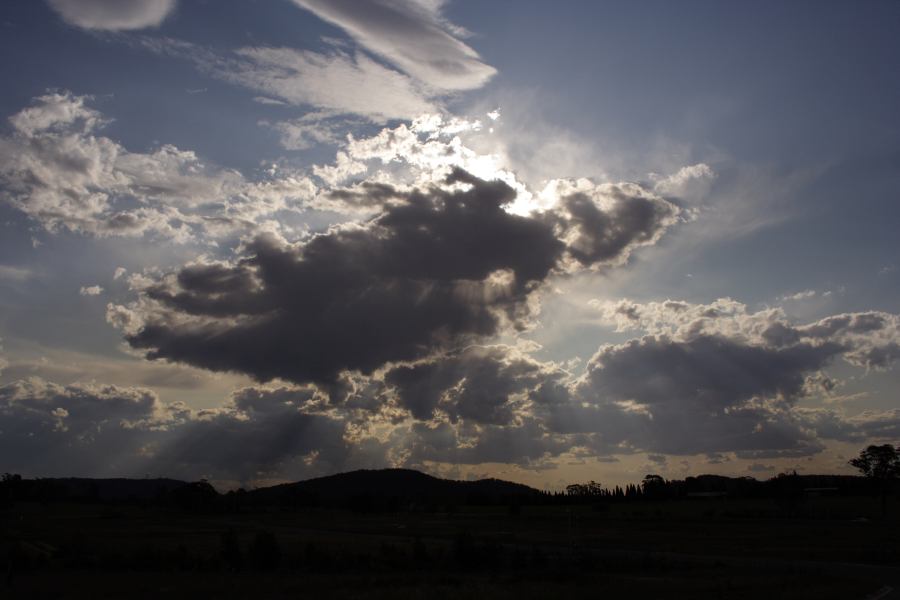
point(421, 274)
point(477, 385)
point(707, 394)
point(77, 408)
point(883, 425)
point(254, 440)
point(75, 429)
point(712, 371)
point(701, 395)
point(597, 234)
point(104, 430)
point(880, 357)
point(719, 379)
point(525, 443)
point(427, 274)
point(846, 323)
point(272, 400)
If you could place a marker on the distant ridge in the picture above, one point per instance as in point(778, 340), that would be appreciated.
point(384, 484)
point(394, 489)
point(381, 486)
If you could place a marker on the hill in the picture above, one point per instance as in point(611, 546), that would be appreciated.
point(389, 486)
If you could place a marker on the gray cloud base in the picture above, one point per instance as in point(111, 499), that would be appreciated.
point(437, 269)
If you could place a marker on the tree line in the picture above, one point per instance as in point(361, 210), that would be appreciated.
point(879, 467)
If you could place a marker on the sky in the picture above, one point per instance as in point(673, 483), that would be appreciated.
point(256, 241)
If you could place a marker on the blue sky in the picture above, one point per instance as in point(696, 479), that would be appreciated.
point(194, 249)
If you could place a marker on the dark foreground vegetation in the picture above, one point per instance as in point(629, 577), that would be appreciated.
point(403, 534)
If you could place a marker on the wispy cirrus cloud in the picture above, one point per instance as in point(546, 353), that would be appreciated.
point(422, 62)
point(10, 273)
point(113, 15)
point(411, 34)
point(335, 81)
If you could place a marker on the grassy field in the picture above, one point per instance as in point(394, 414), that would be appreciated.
point(828, 548)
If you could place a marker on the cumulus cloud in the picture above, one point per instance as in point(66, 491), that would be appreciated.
point(90, 290)
point(486, 385)
point(525, 443)
point(422, 151)
point(113, 15)
point(603, 224)
point(104, 430)
point(260, 433)
point(717, 378)
point(717, 388)
point(426, 275)
point(89, 429)
point(707, 394)
point(58, 170)
point(411, 34)
point(867, 339)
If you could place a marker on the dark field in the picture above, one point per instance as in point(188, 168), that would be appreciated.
point(692, 548)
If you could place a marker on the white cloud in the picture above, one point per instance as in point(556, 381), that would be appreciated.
point(422, 152)
point(798, 296)
point(269, 101)
point(113, 15)
point(718, 378)
point(310, 130)
point(59, 171)
point(90, 290)
point(14, 273)
point(868, 339)
point(336, 81)
point(411, 34)
point(692, 181)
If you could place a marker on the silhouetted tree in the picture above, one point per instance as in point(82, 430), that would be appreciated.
point(882, 465)
point(591, 489)
point(789, 491)
point(653, 486)
point(9, 487)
